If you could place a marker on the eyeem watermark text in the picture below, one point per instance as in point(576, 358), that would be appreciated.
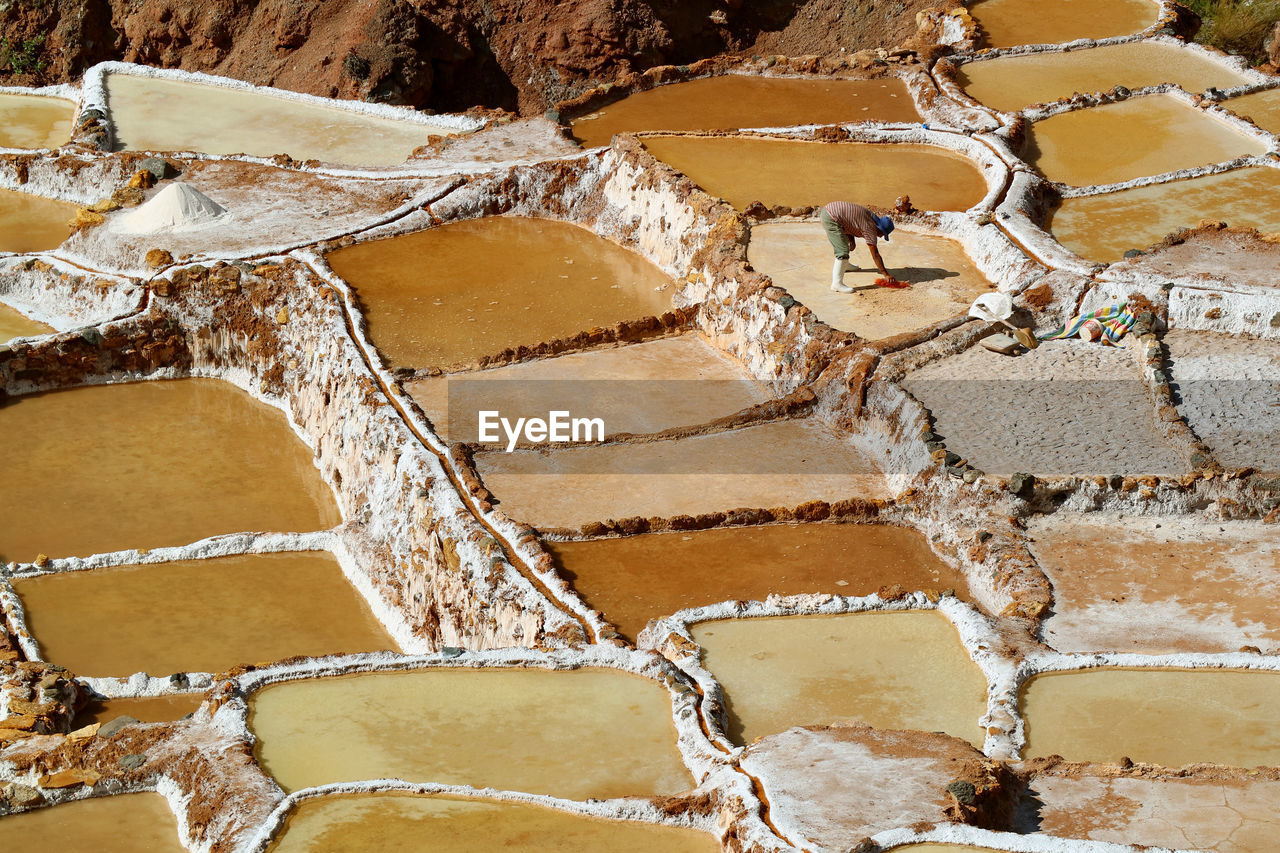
point(559, 427)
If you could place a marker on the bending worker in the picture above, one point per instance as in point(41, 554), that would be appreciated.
point(845, 221)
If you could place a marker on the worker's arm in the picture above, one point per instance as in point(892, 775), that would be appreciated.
point(875, 256)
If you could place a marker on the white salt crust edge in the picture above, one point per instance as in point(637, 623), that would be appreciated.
point(1002, 842)
point(59, 91)
point(565, 597)
point(38, 303)
point(631, 810)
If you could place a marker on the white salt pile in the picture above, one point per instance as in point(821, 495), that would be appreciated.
point(177, 207)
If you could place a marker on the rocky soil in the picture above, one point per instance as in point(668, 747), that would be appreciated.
point(444, 55)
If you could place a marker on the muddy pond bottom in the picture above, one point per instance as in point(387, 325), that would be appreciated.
point(794, 173)
point(1169, 717)
point(1148, 135)
point(250, 608)
point(172, 461)
point(1103, 227)
point(155, 114)
point(634, 579)
point(124, 823)
point(14, 325)
point(1012, 82)
point(737, 100)
point(1006, 23)
point(32, 121)
point(452, 294)
point(574, 734)
point(407, 824)
point(944, 281)
point(903, 670)
point(29, 223)
point(641, 388)
point(779, 464)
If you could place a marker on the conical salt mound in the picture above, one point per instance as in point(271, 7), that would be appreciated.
point(177, 207)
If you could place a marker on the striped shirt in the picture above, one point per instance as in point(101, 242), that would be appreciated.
point(855, 220)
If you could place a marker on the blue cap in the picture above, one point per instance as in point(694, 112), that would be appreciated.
point(885, 226)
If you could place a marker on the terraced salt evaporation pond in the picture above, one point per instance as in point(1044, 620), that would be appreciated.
point(1200, 582)
point(1148, 135)
point(634, 579)
point(1068, 408)
point(574, 734)
point(251, 608)
point(779, 464)
point(737, 100)
point(792, 173)
point(1006, 23)
point(15, 325)
point(123, 823)
point(494, 283)
point(173, 461)
point(944, 280)
point(29, 223)
point(157, 114)
point(903, 670)
point(410, 824)
point(144, 709)
point(1012, 82)
point(28, 121)
point(641, 388)
point(1103, 227)
point(1262, 107)
point(1169, 717)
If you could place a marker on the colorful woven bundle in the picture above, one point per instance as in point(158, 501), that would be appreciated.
point(1115, 320)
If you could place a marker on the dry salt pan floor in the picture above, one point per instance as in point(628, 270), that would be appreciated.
point(837, 577)
point(1068, 407)
point(1173, 585)
point(1230, 392)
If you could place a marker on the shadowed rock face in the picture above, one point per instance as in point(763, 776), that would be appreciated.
point(445, 56)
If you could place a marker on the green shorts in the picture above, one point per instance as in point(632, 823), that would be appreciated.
point(840, 241)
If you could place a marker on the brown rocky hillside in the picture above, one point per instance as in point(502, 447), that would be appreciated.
point(438, 54)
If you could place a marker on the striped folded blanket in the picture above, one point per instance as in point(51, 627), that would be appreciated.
point(1115, 320)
